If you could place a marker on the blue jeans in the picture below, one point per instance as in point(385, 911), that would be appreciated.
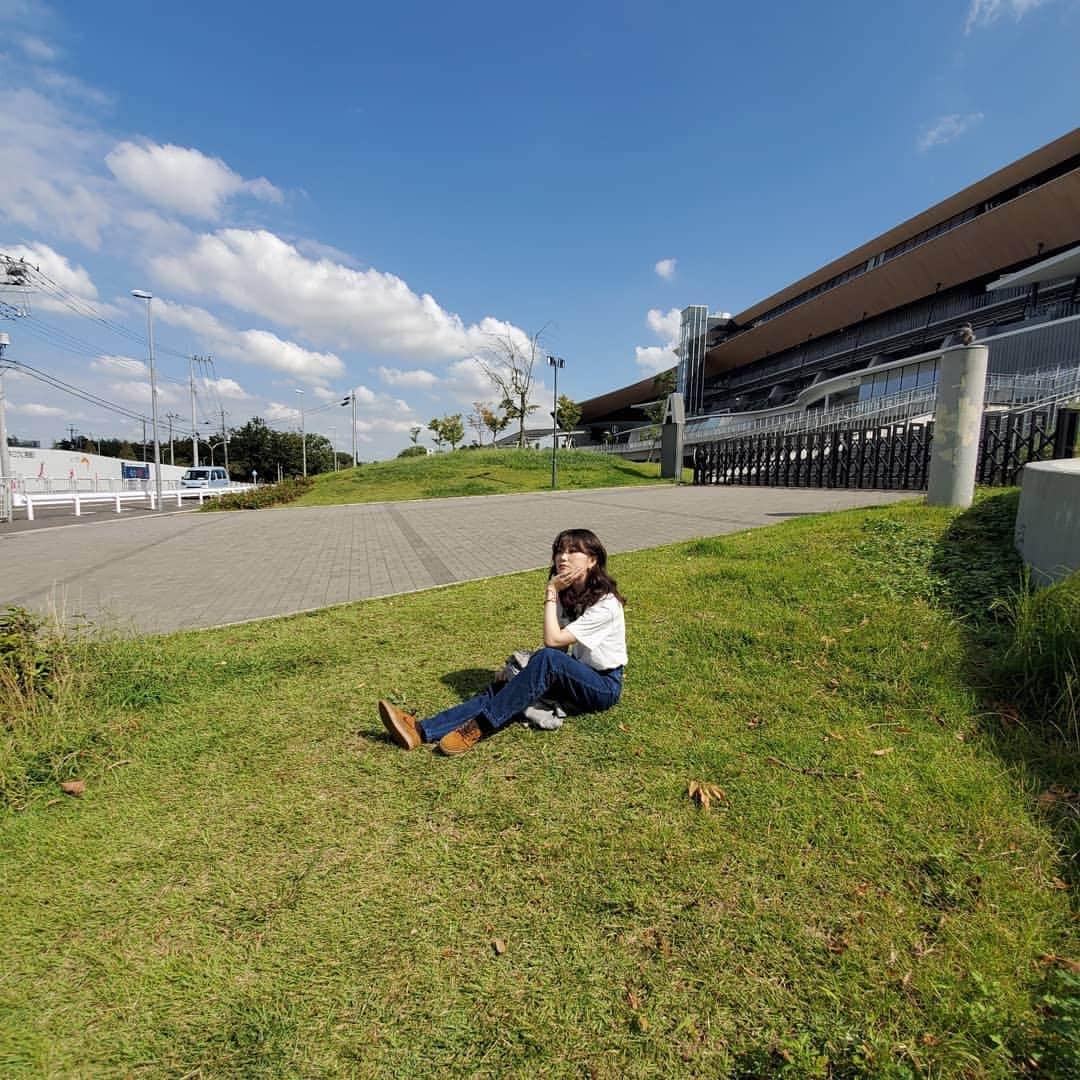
point(551, 674)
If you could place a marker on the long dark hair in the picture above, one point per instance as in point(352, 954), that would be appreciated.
point(578, 598)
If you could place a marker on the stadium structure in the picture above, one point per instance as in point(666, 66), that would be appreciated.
point(861, 336)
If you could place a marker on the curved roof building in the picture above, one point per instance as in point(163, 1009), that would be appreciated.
point(1002, 255)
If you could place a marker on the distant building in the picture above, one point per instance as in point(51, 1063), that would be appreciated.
point(1003, 255)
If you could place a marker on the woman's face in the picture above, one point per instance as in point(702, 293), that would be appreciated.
point(574, 560)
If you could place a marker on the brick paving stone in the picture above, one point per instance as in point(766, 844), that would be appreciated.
point(175, 571)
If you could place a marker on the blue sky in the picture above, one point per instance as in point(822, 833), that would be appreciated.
point(334, 196)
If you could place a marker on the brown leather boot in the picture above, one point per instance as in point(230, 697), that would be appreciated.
point(465, 738)
point(403, 728)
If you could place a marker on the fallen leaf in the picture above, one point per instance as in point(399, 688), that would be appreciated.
point(863, 888)
point(643, 1024)
point(774, 761)
point(930, 1040)
point(499, 946)
point(73, 787)
point(881, 753)
point(1052, 960)
point(1057, 883)
point(753, 723)
point(446, 953)
point(624, 728)
point(704, 794)
point(835, 735)
point(635, 1001)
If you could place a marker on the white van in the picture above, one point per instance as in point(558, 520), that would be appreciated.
point(205, 476)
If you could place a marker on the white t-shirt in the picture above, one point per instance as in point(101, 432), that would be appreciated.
point(600, 634)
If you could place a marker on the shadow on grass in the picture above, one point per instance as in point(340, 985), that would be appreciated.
point(977, 565)
point(469, 681)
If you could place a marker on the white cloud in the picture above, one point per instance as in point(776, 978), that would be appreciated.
point(275, 411)
point(665, 325)
point(33, 409)
point(74, 279)
point(138, 392)
point(183, 178)
point(259, 273)
point(665, 268)
point(49, 183)
point(226, 388)
point(654, 358)
point(947, 128)
point(73, 87)
point(424, 380)
point(39, 50)
point(985, 12)
point(120, 365)
point(251, 346)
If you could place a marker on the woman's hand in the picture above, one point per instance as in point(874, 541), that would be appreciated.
point(565, 578)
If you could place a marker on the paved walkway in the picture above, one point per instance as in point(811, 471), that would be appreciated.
point(178, 571)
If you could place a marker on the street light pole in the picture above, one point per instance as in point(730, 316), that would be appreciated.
point(303, 434)
point(556, 362)
point(139, 294)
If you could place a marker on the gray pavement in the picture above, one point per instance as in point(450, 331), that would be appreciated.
point(186, 570)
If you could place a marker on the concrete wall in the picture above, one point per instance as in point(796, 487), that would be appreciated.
point(1048, 522)
point(78, 469)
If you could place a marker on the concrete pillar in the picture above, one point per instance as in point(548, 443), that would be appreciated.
point(957, 421)
point(671, 438)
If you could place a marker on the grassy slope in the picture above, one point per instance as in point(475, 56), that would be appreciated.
point(270, 888)
point(475, 472)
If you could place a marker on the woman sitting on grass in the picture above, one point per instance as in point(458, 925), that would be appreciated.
point(582, 610)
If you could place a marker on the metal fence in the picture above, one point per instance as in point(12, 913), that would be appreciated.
point(894, 457)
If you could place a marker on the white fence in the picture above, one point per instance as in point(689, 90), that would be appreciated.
point(12, 495)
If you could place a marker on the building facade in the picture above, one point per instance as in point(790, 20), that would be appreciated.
point(1002, 256)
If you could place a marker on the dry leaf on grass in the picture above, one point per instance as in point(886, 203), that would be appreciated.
point(704, 794)
point(73, 787)
point(881, 753)
point(499, 946)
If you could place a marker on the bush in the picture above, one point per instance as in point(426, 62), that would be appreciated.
point(259, 498)
point(1040, 668)
point(414, 451)
point(34, 662)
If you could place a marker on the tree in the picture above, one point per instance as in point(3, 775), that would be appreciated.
point(414, 433)
point(435, 426)
point(448, 429)
point(568, 413)
point(494, 421)
point(507, 360)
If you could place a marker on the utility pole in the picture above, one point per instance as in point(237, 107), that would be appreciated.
point(143, 441)
point(350, 399)
point(171, 416)
point(6, 479)
point(141, 294)
point(556, 362)
point(303, 434)
point(194, 428)
point(225, 441)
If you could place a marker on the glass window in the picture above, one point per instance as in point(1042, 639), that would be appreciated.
point(927, 373)
point(908, 377)
point(893, 385)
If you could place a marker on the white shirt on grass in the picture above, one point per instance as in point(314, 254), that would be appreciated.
point(600, 634)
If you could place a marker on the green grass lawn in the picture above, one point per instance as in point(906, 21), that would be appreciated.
point(475, 472)
point(258, 883)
